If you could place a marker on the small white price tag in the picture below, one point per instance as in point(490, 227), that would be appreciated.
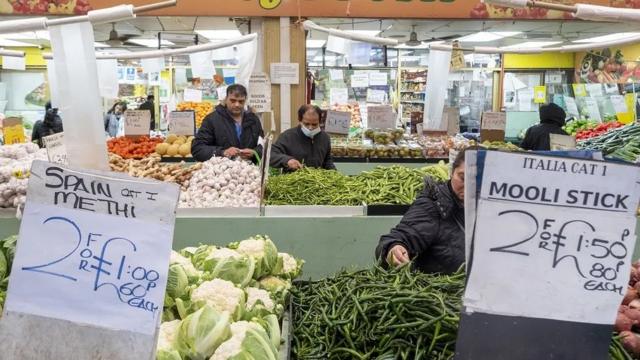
point(56, 150)
point(182, 123)
point(338, 122)
point(137, 122)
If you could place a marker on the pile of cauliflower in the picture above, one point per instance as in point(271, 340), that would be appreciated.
point(225, 303)
point(223, 182)
point(15, 163)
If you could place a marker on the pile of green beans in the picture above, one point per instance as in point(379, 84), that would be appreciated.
point(379, 314)
point(393, 185)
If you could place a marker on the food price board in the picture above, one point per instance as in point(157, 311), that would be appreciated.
point(137, 122)
point(56, 149)
point(107, 238)
point(182, 123)
point(561, 247)
point(338, 122)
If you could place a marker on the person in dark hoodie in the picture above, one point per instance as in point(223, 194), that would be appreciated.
point(305, 145)
point(149, 105)
point(229, 130)
point(552, 119)
point(431, 233)
point(52, 124)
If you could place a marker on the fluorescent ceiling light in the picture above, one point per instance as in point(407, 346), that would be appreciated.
point(220, 34)
point(314, 44)
point(100, 45)
point(531, 44)
point(364, 32)
point(7, 42)
point(152, 43)
point(609, 37)
point(485, 36)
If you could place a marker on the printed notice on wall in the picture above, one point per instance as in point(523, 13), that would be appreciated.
point(137, 122)
point(260, 93)
point(285, 73)
point(56, 150)
point(107, 239)
point(570, 236)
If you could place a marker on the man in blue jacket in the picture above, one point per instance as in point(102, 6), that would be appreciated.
point(229, 130)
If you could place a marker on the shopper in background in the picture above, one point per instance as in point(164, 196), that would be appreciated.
point(552, 118)
point(230, 130)
point(431, 233)
point(52, 124)
point(113, 117)
point(305, 145)
point(149, 105)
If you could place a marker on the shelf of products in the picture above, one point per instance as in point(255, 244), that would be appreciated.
point(413, 83)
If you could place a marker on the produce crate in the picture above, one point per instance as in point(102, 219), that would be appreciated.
point(287, 333)
point(218, 212)
point(388, 160)
point(386, 210)
point(312, 211)
point(170, 159)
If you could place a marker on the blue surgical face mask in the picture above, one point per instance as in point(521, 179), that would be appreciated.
point(310, 133)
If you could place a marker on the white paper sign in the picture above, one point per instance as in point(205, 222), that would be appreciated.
point(154, 65)
point(619, 105)
point(571, 236)
point(376, 96)
point(56, 150)
point(591, 106)
point(572, 108)
point(381, 117)
point(378, 78)
point(285, 73)
point(339, 96)
point(107, 239)
point(611, 89)
point(360, 80)
point(338, 122)
point(562, 142)
point(494, 121)
point(137, 122)
point(594, 90)
point(336, 74)
point(222, 92)
point(14, 63)
point(182, 123)
point(260, 92)
point(193, 95)
point(202, 65)
point(338, 45)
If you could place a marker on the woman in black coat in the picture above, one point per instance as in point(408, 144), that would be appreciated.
point(431, 233)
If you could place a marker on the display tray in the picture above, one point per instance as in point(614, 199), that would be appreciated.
point(286, 330)
point(389, 160)
point(167, 159)
point(386, 210)
point(313, 211)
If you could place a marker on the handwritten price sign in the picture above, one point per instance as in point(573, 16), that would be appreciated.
point(107, 242)
point(570, 236)
point(137, 122)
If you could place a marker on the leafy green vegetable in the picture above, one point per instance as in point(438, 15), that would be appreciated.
point(264, 253)
point(200, 334)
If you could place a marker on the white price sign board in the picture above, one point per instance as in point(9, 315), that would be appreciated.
point(193, 95)
point(494, 121)
point(377, 78)
point(182, 123)
point(562, 142)
point(376, 96)
point(572, 108)
point(56, 150)
point(339, 96)
point(570, 236)
point(360, 80)
point(338, 122)
point(381, 117)
point(591, 106)
point(137, 122)
point(260, 92)
point(619, 105)
point(103, 275)
point(285, 73)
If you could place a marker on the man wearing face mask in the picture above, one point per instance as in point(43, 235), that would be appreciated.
point(305, 145)
point(229, 130)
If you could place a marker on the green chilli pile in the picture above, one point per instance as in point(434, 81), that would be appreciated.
point(393, 185)
point(7, 252)
point(379, 314)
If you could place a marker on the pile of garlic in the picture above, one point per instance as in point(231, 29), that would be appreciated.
point(15, 162)
point(223, 183)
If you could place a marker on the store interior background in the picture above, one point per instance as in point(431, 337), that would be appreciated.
point(487, 82)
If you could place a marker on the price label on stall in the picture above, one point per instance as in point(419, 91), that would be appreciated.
point(182, 123)
point(56, 150)
point(494, 121)
point(381, 117)
point(591, 106)
point(137, 122)
point(338, 122)
point(13, 131)
point(108, 241)
point(570, 236)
